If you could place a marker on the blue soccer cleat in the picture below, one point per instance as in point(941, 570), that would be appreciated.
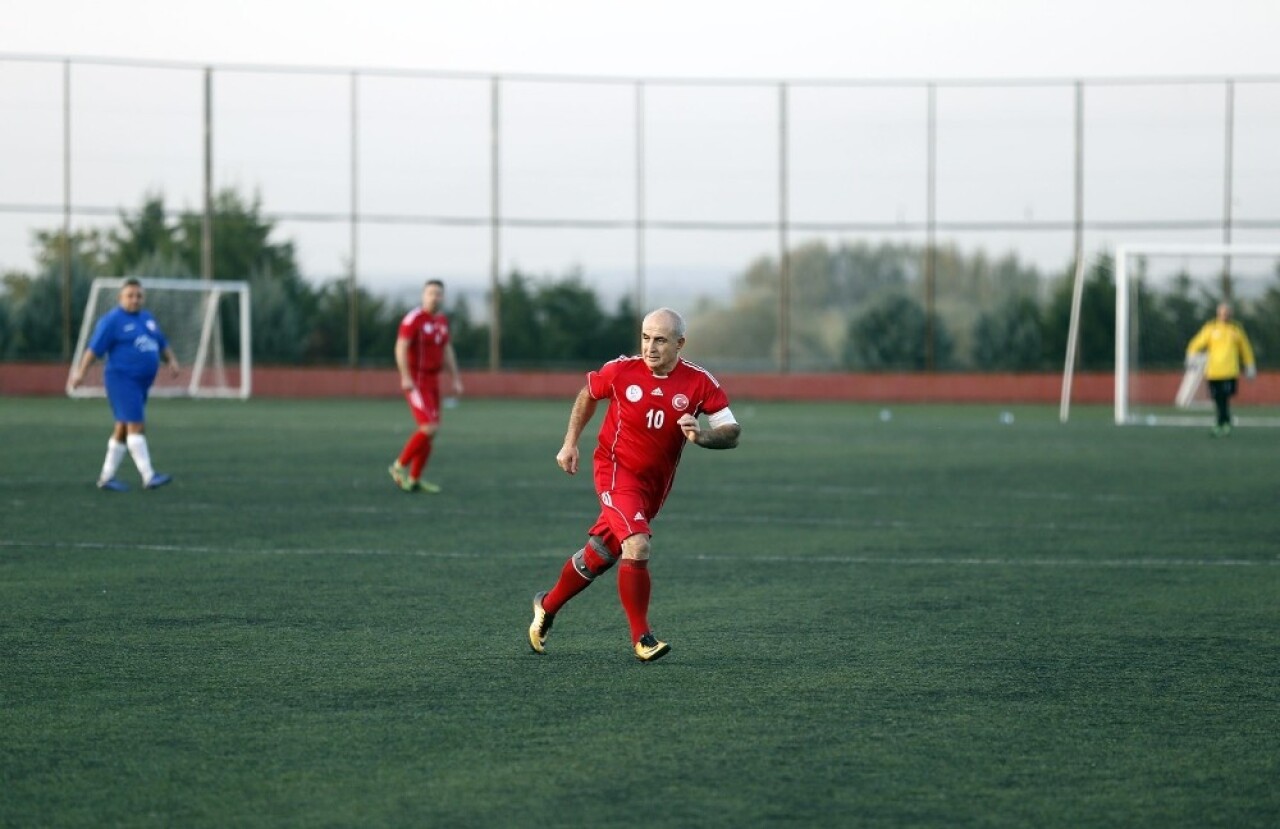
point(158, 480)
point(113, 486)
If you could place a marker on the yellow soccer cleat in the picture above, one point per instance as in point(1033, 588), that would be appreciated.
point(540, 625)
point(649, 648)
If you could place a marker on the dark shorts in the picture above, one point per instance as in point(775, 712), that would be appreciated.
point(1222, 388)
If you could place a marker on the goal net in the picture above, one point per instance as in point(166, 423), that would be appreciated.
point(1164, 294)
point(207, 324)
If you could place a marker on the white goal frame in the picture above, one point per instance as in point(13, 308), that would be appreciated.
point(1123, 253)
point(208, 350)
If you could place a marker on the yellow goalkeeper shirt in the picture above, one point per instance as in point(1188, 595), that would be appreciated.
point(1228, 349)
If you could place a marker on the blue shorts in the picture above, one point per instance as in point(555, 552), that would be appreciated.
point(128, 396)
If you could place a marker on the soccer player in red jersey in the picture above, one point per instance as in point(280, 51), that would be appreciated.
point(422, 349)
point(654, 400)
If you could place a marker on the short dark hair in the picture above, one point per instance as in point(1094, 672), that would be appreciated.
point(439, 282)
point(131, 281)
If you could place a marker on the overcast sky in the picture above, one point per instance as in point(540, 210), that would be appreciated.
point(673, 38)
point(687, 39)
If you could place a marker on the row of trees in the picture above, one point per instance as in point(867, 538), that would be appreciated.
point(852, 307)
point(859, 307)
point(543, 322)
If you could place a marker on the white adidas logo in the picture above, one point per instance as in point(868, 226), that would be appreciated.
point(656, 393)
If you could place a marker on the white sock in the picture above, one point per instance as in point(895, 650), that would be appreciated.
point(115, 454)
point(141, 456)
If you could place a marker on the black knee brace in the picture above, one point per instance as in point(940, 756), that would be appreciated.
point(593, 559)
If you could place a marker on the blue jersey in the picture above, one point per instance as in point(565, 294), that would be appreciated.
point(131, 343)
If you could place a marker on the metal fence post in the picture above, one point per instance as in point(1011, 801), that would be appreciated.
point(495, 229)
point(353, 294)
point(931, 226)
point(1077, 286)
point(640, 207)
point(206, 219)
point(65, 252)
point(1227, 184)
point(784, 255)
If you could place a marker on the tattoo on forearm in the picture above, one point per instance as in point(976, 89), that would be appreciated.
point(725, 437)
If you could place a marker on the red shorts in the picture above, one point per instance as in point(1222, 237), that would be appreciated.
point(627, 505)
point(424, 402)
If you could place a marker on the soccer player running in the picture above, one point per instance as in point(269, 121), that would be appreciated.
point(654, 402)
point(1228, 349)
point(130, 340)
point(422, 348)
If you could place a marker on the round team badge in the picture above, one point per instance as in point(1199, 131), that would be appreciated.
point(634, 394)
point(680, 402)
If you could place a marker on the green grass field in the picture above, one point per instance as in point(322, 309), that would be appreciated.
point(939, 620)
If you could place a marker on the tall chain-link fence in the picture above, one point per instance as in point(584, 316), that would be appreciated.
point(779, 215)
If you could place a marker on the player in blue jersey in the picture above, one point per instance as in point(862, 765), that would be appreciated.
point(130, 340)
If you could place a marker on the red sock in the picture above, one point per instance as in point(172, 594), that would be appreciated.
point(570, 584)
point(633, 589)
point(420, 460)
point(411, 448)
point(573, 580)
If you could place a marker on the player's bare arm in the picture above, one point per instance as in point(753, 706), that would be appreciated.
point(584, 406)
point(402, 363)
point(77, 376)
point(724, 436)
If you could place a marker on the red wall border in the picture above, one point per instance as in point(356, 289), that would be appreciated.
point(272, 381)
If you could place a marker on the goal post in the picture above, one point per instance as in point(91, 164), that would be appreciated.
point(208, 326)
point(1164, 294)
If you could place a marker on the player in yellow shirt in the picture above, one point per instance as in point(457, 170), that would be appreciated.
point(1228, 350)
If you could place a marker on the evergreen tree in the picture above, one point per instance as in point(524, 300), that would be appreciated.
point(470, 339)
point(1010, 337)
point(892, 336)
point(1097, 317)
point(147, 235)
point(1261, 321)
point(37, 320)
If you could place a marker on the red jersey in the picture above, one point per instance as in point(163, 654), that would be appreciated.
point(639, 432)
point(428, 334)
